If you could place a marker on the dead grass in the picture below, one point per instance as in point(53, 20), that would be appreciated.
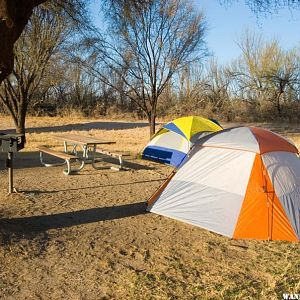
point(295, 138)
point(131, 140)
point(82, 237)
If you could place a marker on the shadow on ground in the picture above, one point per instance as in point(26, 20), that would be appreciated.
point(83, 127)
point(26, 226)
point(40, 192)
point(22, 160)
point(25, 160)
point(86, 126)
point(128, 163)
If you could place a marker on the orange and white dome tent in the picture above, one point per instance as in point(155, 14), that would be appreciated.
point(241, 182)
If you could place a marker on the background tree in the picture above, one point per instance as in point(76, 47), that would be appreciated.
point(265, 73)
point(282, 77)
point(148, 44)
point(215, 87)
point(271, 6)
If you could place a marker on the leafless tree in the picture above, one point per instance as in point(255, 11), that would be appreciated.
point(14, 16)
point(148, 44)
point(271, 6)
point(265, 72)
point(266, 6)
point(43, 36)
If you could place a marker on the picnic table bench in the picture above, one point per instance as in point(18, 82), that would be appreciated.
point(68, 158)
point(118, 155)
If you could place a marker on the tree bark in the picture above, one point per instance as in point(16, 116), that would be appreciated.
point(20, 125)
point(152, 126)
point(278, 105)
point(20, 117)
point(14, 15)
point(151, 120)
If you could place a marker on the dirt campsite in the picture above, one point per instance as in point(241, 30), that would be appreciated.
point(88, 236)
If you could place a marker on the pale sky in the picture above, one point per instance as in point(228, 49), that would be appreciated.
point(226, 24)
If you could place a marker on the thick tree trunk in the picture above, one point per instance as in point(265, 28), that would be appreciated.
point(14, 15)
point(152, 114)
point(19, 121)
point(152, 125)
point(20, 125)
point(278, 105)
point(19, 117)
point(151, 120)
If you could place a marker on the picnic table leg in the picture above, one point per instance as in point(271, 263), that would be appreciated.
point(85, 150)
point(121, 162)
point(82, 165)
point(65, 147)
point(68, 171)
point(84, 153)
point(94, 160)
point(120, 166)
point(74, 150)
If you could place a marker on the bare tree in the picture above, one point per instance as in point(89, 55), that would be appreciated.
point(265, 72)
point(148, 44)
point(271, 6)
point(216, 85)
point(41, 39)
point(282, 77)
point(14, 16)
point(267, 6)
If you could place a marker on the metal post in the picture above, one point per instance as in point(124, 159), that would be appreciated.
point(9, 163)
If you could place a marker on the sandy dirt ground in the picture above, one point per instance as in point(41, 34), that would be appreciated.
point(87, 236)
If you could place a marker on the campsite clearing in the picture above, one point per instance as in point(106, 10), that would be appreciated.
point(87, 236)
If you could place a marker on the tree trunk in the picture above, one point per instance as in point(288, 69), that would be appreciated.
point(14, 15)
point(19, 120)
point(278, 105)
point(151, 120)
point(19, 124)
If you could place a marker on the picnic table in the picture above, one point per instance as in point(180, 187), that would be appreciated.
point(89, 146)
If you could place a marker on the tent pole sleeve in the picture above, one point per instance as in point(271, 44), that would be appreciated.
point(154, 197)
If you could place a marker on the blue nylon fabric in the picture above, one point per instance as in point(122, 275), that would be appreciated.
point(164, 155)
point(174, 128)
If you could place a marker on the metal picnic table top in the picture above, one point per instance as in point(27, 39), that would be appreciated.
point(81, 140)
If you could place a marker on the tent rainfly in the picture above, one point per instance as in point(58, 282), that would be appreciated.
point(241, 182)
point(173, 141)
